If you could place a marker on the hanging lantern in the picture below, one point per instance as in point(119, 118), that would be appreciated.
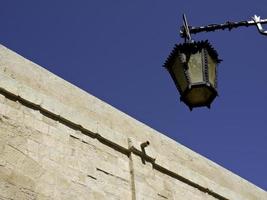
point(193, 68)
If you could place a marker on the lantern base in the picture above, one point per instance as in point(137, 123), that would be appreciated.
point(199, 95)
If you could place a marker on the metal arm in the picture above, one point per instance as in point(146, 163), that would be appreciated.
point(227, 25)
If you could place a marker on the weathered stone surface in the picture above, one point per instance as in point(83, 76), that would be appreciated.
point(71, 145)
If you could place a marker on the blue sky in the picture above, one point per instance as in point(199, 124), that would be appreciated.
point(115, 50)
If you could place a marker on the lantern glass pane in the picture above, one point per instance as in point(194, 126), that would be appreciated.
point(195, 68)
point(199, 96)
point(179, 73)
point(212, 71)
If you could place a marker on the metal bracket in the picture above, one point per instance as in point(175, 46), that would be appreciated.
point(186, 30)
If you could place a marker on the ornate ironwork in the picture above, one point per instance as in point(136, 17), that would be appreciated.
point(187, 30)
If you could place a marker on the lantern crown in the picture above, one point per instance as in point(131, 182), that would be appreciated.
point(192, 47)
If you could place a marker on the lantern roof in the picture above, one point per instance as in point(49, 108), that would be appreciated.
point(190, 48)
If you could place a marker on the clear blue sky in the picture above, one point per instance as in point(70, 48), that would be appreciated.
point(115, 50)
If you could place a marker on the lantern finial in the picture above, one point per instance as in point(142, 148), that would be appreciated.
point(187, 31)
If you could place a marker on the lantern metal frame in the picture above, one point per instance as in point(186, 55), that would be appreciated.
point(205, 49)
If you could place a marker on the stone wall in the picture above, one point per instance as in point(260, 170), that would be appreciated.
point(59, 142)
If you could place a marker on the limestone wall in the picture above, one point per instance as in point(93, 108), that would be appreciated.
point(59, 142)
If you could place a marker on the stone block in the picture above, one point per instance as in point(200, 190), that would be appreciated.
point(9, 84)
point(31, 168)
point(2, 109)
point(41, 126)
point(30, 95)
point(2, 98)
point(113, 136)
point(7, 190)
point(52, 106)
point(13, 156)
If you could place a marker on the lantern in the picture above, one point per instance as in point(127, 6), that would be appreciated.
point(193, 68)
